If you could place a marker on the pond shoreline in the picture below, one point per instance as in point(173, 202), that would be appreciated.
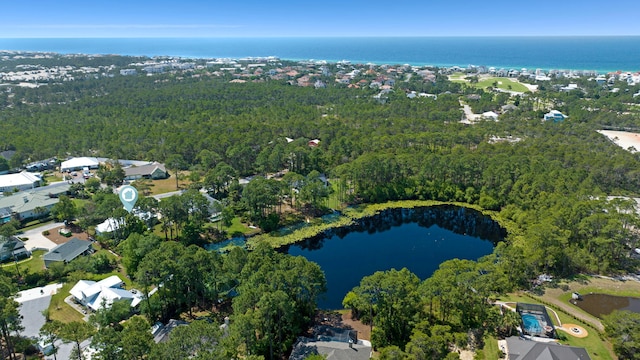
point(350, 216)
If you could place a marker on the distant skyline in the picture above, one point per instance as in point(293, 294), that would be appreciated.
point(329, 18)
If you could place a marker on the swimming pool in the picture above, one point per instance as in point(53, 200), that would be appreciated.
point(532, 325)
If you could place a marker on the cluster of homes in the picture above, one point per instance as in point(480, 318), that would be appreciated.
point(23, 196)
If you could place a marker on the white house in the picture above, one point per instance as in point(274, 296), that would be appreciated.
point(94, 294)
point(490, 115)
point(555, 116)
point(20, 181)
point(79, 163)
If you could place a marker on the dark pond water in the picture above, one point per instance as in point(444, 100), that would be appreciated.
point(418, 239)
point(601, 304)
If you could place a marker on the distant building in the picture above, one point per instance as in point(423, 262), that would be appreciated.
point(68, 251)
point(555, 116)
point(20, 181)
point(126, 72)
point(80, 163)
point(150, 171)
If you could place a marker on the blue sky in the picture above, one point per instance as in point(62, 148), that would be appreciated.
point(285, 18)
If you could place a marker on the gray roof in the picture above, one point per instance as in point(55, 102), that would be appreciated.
point(531, 350)
point(144, 170)
point(162, 332)
point(333, 350)
point(67, 251)
point(11, 246)
point(26, 201)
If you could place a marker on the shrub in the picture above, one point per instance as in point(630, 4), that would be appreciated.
point(45, 233)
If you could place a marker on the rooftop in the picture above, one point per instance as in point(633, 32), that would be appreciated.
point(67, 251)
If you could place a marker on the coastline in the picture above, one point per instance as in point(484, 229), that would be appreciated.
point(580, 53)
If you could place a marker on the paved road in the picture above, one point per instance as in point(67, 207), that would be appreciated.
point(36, 239)
point(166, 195)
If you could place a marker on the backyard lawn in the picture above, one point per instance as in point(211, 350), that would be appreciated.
point(27, 266)
point(595, 345)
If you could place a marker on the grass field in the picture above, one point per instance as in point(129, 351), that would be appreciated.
point(503, 83)
point(169, 184)
point(484, 83)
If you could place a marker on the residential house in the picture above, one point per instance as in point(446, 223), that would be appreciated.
point(555, 116)
point(20, 181)
point(490, 115)
point(12, 248)
point(333, 344)
point(32, 203)
point(519, 349)
point(68, 251)
point(79, 164)
point(153, 171)
point(95, 295)
point(127, 72)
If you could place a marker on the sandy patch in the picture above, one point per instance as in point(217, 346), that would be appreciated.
point(626, 140)
point(574, 330)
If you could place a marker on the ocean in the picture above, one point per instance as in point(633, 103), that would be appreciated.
point(602, 54)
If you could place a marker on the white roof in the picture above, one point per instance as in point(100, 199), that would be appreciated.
point(490, 114)
point(18, 180)
point(109, 295)
point(108, 226)
point(106, 291)
point(79, 163)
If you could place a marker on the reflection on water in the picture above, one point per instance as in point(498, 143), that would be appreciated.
point(418, 239)
point(601, 304)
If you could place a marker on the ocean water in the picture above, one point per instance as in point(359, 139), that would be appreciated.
point(602, 54)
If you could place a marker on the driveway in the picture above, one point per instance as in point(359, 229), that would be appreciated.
point(32, 303)
point(35, 239)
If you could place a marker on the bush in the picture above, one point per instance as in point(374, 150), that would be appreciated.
point(46, 233)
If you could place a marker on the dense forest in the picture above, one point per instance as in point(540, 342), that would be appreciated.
point(549, 180)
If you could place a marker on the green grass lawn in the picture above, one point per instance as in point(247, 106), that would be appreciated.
point(59, 310)
point(503, 83)
point(32, 265)
point(490, 349)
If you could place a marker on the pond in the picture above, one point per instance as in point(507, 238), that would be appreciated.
point(418, 239)
point(600, 304)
